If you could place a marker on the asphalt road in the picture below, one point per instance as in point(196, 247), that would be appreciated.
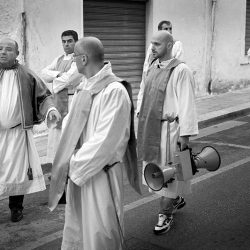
point(216, 217)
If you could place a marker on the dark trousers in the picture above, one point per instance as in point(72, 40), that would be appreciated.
point(16, 202)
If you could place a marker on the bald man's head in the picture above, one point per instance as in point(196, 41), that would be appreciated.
point(8, 52)
point(9, 41)
point(88, 51)
point(92, 47)
point(162, 44)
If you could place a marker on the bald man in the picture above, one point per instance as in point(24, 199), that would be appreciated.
point(24, 101)
point(177, 52)
point(101, 121)
point(167, 116)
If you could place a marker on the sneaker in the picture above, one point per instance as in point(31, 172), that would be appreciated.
point(164, 224)
point(179, 203)
point(16, 215)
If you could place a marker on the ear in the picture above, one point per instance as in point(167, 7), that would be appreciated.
point(169, 45)
point(84, 59)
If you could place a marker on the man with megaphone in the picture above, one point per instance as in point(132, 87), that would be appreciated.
point(167, 116)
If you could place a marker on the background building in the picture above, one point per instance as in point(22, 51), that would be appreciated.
point(215, 34)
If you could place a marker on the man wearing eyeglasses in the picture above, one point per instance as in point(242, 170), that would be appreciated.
point(98, 134)
point(58, 76)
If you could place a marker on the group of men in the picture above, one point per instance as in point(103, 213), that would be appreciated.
point(97, 138)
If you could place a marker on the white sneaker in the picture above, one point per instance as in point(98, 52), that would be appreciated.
point(164, 224)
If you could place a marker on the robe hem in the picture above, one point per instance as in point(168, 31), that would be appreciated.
point(27, 187)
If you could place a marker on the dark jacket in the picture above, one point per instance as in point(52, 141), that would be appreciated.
point(35, 97)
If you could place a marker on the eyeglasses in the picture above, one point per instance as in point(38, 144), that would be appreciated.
point(75, 56)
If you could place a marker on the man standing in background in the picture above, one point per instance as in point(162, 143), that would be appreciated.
point(58, 77)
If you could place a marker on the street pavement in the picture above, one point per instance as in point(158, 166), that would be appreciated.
point(217, 212)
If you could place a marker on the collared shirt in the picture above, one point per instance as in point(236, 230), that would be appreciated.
point(163, 64)
point(88, 83)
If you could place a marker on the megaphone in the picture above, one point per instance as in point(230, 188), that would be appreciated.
point(185, 165)
point(208, 158)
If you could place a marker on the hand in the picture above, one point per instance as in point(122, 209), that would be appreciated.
point(59, 75)
point(54, 116)
point(183, 142)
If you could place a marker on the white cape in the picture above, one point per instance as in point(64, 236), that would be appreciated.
point(90, 218)
point(16, 151)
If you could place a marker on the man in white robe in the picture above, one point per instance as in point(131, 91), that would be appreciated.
point(171, 102)
point(58, 77)
point(24, 101)
point(177, 52)
point(101, 117)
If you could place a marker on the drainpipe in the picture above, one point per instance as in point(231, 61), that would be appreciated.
point(23, 33)
point(209, 88)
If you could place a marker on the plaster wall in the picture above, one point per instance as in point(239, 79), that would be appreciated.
point(10, 21)
point(230, 68)
point(46, 20)
point(9, 17)
point(189, 24)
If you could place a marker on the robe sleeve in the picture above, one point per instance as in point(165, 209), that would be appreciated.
point(75, 79)
point(140, 94)
point(50, 124)
point(142, 85)
point(147, 58)
point(186, 103)
point(177, 51)
point(112, 131)
point(62, 82)
point(49, 73)
point(42, 99)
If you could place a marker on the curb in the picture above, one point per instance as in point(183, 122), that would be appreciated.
point(224, 114)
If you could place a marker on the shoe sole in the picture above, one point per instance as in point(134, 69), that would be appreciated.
point(163, 231)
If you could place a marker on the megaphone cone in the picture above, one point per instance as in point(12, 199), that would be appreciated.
point(208, 158)
point(155, 177)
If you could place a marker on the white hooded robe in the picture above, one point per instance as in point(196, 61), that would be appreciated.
point(90, 217)
point(179, 102)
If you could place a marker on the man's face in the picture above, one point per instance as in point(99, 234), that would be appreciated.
point(79, 58)
point(68, 43)
point(8, 52)
point(166, 27)
point(159, 47)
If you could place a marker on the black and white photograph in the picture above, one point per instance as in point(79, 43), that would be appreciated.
point(125, 125)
